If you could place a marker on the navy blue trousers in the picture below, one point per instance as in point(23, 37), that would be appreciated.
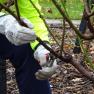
point(25, 65)
point(82, 29)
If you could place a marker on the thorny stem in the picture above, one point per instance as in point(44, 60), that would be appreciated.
point(87, 11)
point(67, 58)
point(63, 33)
point(44, 22)
point(87, 8)
point(88, 16)
point(38, 39)
point(63, 38)
point(70, 23)
point(17, 9)
point(80, 68)
point(8, 10)
point(8, 4)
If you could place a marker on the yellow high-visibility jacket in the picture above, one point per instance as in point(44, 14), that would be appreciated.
point(29, 12)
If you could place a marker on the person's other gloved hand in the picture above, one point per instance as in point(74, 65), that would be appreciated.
point(47, 71)
point(42, 56)
point(16, 33)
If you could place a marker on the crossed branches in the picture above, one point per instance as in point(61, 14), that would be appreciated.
point(66, 57)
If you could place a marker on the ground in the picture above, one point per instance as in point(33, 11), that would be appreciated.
point(67, 80)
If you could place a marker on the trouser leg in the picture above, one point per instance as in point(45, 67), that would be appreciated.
point(25, 73)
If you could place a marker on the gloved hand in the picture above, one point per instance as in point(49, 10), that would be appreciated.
point(42, 56)
point(47, 71)
point(16, 33)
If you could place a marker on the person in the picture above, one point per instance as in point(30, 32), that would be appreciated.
point(29, 59)
point(82, 29)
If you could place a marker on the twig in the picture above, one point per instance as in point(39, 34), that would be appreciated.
point(66, 58)
point(88, 16)
point(17, 9)
point(8, 4)
point(63, 36)
point(87, 12)
point(9, 11)
point(70, 23)
point(44, 22)
point(87, 7)
point(38, 39)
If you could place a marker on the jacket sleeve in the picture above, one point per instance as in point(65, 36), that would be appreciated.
point(29, 12)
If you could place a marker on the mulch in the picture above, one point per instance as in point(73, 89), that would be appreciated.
point(67, 80)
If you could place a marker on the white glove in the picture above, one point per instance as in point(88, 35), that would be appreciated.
point(16, 33)
point(47, 72)
point(42, 56)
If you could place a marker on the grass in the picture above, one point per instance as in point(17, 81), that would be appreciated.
point(73, 7)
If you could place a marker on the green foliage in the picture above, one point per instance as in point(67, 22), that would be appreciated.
point(48, 9)
point(86, 55)
point(2, 1)
point(74, 8)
